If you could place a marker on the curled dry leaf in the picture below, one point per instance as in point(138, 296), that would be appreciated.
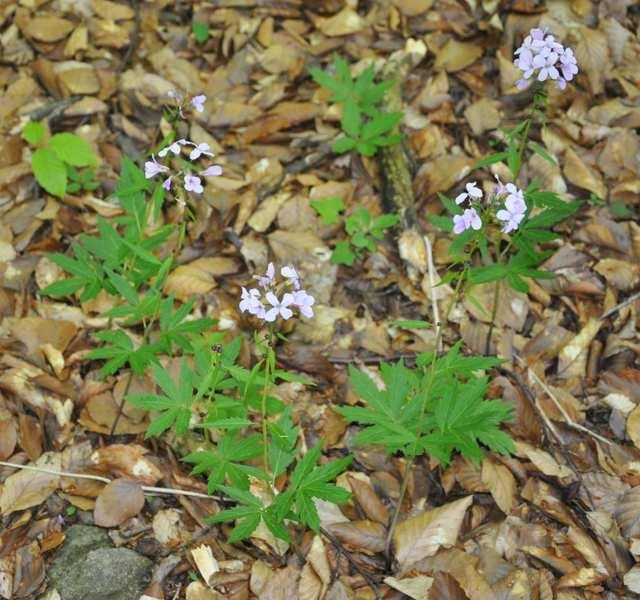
point(25, 489)
point(198, 277)
point(573, 357)
point(417, 587)
point(368, 500)
point(127, 460)
point(501, 483)
point(422, 535)
point(543, 460)
point(119, 500)
point(205, 561)
point(360, 536)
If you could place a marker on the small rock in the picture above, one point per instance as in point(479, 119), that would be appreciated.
point(87, 567)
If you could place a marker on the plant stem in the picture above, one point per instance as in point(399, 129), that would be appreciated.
point(423, 408)
point(263, 403)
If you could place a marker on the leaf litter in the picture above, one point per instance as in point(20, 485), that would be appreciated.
point(557, 519)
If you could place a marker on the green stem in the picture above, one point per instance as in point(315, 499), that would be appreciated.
point(423, 409)
point(263, 404)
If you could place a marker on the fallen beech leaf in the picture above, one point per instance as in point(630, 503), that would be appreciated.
point(621, 274)
point(455, 56)
point(119, 500)
point(48, 29)
point(582, 176)
point(24, 488)
point(345, 22)
point(573, 357)
point(592, 54)
point(127, 460)
point(368, 500)
point(501, 483)
point(415, 587)
point(362, 536)
point(627, 512)
point(198, 277)
point(543, 460)
point(422, 535)
point(8, 434)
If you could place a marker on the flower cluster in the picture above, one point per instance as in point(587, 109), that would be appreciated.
point(507, 195)
point(540, 54)
point(514, 205)
point(252, 299)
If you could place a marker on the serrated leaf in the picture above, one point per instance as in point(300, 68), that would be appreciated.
point(329, 209)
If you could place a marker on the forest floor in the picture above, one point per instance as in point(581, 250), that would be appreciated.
point(560, 518)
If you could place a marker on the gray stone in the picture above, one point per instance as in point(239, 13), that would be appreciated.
point(87, 567)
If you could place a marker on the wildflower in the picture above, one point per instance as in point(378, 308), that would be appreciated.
point(175, 148)
point(304, 302)
point(279, 307)
point(212, 171)
point(290, 273)
point(468, 219)
point(541, 55)
point(472, 192)
point(199, 150)
point(268, 278)
point(193, 184)
point(513, 211)
point(152, 168)
point(166, 184)
point(198, 102)
point(250, 303)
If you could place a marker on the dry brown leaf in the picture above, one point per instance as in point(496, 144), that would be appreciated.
point(8, 434)
point(368, 500)
point(48, 29)
point(422, 535)
point(127, 460)
point(119, 500)
point(413, 8)
point(455, 56)
point(578, 173)
point(415, 587)
point(632, 579)
point(543, 460)
point(345, 22)
point(501, 483)
point(573, 357)
point(361, 536)
point(592, 54)
point(205, 561)
point(26, 488)
point(627, 512)
point(198, 277)
point(112, 10)
point(621, 274)
point(167, 527)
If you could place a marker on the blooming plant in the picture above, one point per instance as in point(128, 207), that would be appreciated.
point(227, 411)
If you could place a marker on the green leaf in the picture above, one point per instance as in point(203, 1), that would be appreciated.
point(351, 119)
point(487, 273)
point(619, 209)
point(381, 124)
point(344, 144)
point(450, 205)
point(33, 132)
point(513, 158)
point(200, 31)
point(65, 287)
point(49, 171)
point(72, 149)
point(342, 254)
point(410, 324)
point(490, 160)
point(329, 209)
point(540, 151)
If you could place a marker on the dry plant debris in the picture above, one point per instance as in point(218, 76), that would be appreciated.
point(558, 518)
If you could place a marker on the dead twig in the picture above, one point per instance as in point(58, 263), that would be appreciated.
point(630, 300)
point(148, 489)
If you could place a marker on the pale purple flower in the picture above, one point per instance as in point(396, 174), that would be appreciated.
point(541, 55)
point(290, 273)
point(500, 187)
point(193, 184)
point(304, 302)
point(468, 219)
point(212, 171)
point(175, 148)
point(472, 192)
point(279, 307)
point(268, 278)
point(198, 102)
point(166, 184)
point(251, 303)
point(199, 150)
point(152, 168)
point(513, 212)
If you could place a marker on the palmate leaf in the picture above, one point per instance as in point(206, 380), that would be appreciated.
point(461, 418)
